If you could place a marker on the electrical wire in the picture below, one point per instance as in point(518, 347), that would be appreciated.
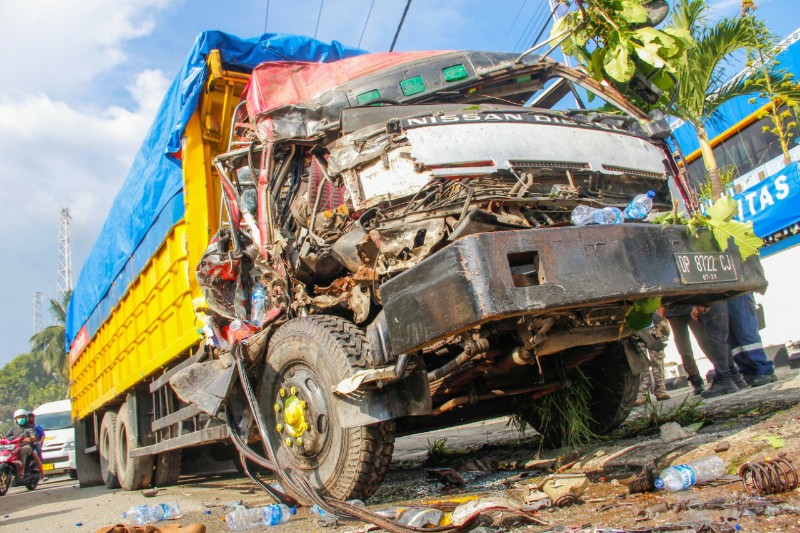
point(541, 18)
point(319, 16)
point(545, 25)
point(266, 17)
point(527, 32)
point(511, 28)
point(400, 26)
point(367, 22)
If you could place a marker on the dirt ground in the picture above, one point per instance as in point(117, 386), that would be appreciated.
point(495, 460)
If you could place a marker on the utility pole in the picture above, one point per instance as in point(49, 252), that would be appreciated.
point(65, 254)
point(37, 312)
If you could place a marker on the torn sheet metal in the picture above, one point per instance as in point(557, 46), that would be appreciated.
point(204, 384)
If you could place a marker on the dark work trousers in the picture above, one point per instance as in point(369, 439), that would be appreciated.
point(680, 326)
point(715, 332)
point(744, 339)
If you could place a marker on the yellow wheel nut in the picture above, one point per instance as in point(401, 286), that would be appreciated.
point(302, 404)
point(279, 428)
point(299, 441)
point(293, 390)
point(288, 442)
point(277, 407)
point(282, 392)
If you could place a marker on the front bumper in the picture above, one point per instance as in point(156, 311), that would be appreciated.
point(491, 276)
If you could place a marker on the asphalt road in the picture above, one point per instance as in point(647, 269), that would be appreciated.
point(742, 419)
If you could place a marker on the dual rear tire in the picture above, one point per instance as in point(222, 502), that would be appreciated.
point(119, 468)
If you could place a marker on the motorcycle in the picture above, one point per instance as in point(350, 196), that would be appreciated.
point(9, 459)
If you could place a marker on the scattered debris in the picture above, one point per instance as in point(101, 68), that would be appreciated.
point(467, 512)
point(770, 476)
point(150, 493)
point(447, 476)
point(420, 517)
point(565, 489)
point(645, 482)
point(672, 431)
point(722, 446)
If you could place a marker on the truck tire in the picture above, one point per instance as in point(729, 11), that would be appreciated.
point(613, 393)
point(108, 450)
point(134, 473)
point(306, 357)
point(168, 468)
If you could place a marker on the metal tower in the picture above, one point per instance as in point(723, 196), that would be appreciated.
point(37, 312)
point(65, 253)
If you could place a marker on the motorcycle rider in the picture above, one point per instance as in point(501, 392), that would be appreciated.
point(23, 428)
point(37, 446)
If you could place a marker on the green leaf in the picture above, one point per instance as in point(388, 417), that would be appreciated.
point(772, 440)
point(596, 64)
point(633, 11)
point(742, 234)
point(640, 314)
point(617, 63)
point(723, 209)
point(681, 34)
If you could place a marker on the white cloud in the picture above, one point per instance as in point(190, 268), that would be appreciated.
point(61, 46)
point(60, 147)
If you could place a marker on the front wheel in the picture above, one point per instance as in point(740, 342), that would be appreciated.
point(603, 390)
point(6, 479)
point(306, 358)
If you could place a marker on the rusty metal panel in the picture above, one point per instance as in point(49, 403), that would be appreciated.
point(481, 278)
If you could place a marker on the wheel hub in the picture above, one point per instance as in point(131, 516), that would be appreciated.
point(301, 413)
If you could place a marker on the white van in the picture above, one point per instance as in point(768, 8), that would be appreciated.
point(58, 450)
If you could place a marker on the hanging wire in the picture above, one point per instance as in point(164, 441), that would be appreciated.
point(529, 27)
point(365, 23)
point(266, 17)
point(400, 26)
point(511, 28)
point(319, 16)
point(545, 24)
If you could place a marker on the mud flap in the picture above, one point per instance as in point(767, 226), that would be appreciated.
point(407, 397)
point(205, 385)
point(637, 360)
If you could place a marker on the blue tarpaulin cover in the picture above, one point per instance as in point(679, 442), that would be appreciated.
point(150, 200)
point(772, 204)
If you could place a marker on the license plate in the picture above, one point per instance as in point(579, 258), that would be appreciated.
point(706, 268)
point(48, 466)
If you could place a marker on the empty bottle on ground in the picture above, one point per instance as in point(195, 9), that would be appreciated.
point(680, 477)
point(147, 514)
point(640, 206)
point(270, 515)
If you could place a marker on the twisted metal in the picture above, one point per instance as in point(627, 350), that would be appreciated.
point(770, 476)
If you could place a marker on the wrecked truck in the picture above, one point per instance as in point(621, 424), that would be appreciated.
point(394, 253)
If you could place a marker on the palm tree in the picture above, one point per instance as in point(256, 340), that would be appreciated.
point(50, 343)
point(702, 78)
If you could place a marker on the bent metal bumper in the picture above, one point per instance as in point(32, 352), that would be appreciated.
point(491, 276)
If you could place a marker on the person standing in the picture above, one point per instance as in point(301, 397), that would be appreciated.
point(681, 321)
point(660, 331)
point(745, 342)
point(716, 329)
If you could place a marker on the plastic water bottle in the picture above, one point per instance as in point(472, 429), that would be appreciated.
point(270, 515)
point(147, 514)
point(328, 520)
point(640, 206)
point(608, 215)
point(257, 305)
point(583, 215)
point(680, 477)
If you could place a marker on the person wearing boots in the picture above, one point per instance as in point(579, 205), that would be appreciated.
point(680, 322)
point(745, 342)
point(660, 331)
point(727, 378)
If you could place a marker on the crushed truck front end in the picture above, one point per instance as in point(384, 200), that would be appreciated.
point(398, 254)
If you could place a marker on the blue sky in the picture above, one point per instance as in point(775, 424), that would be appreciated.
point(82, 80)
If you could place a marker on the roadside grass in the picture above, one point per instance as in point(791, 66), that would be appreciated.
point(562, 418)
point(440, 455)
point(654, 415)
